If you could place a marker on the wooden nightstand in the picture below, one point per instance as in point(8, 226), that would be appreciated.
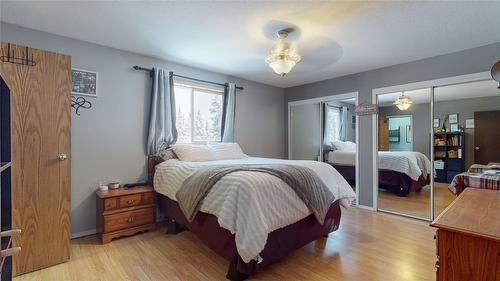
point(125, 212)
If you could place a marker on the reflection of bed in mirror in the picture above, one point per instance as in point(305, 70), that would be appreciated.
point(401, 172)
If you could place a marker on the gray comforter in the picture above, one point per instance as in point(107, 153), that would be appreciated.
point(304, 181)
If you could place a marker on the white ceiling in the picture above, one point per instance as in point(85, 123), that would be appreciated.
point(479, 89)
point(334, 38)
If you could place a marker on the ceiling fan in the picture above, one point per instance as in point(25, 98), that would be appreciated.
point(293, 46)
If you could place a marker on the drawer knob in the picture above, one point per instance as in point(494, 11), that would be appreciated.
point(131, 219)
point(437, 264)
point(130, 202)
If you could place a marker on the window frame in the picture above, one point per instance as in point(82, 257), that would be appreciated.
point(192, 87)
point(338, 112)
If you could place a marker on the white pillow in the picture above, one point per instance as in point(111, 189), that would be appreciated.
point(193, 152)
point(344, 146)
point(227, 150)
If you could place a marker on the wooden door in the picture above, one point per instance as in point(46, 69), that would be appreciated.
point(383, 133)
point(41, 123)
point(486, 136)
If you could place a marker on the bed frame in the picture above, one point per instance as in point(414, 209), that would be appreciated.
point(398, 183)
point(279, 243)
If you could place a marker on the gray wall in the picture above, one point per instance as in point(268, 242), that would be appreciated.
point(108, 141)
point(459, 63)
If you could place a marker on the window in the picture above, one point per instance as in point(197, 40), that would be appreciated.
point(332, 123)
point(199, 114)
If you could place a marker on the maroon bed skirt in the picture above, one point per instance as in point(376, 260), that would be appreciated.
point(279, 242)
point(396, 182)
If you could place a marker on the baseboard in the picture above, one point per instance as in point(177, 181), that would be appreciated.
point(366, 207)
point(83, 233)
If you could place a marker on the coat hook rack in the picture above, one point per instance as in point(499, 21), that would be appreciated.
point(80, 102)
point(24, 59)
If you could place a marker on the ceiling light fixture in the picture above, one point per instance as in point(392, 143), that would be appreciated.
point(403, 102)
point(283, 55)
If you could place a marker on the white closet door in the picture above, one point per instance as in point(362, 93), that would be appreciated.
point(305, 132)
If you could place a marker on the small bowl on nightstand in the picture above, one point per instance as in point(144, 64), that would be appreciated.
point(114, 185)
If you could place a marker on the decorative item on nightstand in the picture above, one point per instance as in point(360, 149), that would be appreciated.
point(125, 212)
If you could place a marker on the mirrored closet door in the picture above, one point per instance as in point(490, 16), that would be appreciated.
point(404, 165)
point(325, 130)
point(466, 128)
point(305, 131)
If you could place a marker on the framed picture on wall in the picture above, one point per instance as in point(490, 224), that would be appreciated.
point(408, 133)
point(83, 82)
point(469, 124)
point(453, 118)
point(436, 122)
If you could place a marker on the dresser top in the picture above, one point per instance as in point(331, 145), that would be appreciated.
point(475, 212)
point(124, 191)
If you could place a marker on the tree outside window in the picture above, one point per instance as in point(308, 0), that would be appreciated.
point(199, 114)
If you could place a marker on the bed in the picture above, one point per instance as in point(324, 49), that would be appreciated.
point(401, 172)
point(251, 219)
point(478, 176)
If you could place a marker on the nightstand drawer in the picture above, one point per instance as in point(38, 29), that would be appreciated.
point(148, 198)
point(130, 200)
point(128, 219)
point(110, 204)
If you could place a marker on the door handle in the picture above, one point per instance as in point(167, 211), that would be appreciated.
point(476, 148)
point(62, 156)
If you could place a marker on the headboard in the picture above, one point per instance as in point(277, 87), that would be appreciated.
point(152, 162)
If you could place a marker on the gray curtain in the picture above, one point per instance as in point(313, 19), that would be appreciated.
point(162, 131)
point(229, 106)
point(344, 122)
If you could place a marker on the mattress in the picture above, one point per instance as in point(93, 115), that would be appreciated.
point(413, 164)
point(251, 204)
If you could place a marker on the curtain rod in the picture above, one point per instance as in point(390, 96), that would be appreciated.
point(136, 67)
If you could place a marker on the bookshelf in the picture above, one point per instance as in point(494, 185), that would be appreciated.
point(449, 155)
point(5, 178)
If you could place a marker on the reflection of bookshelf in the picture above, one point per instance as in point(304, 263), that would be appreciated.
point(449, 147)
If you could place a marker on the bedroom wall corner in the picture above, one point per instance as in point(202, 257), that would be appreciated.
point(108, 141)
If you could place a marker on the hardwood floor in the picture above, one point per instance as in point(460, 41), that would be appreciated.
point(368, 246)
point(417, 203)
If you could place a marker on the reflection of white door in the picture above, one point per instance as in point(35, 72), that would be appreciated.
point(305, 131)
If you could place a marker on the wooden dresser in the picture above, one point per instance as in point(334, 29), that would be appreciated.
point(124, 212)
point(468, 237)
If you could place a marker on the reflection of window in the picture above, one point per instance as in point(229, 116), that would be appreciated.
point(199, 114)
point(332, 123)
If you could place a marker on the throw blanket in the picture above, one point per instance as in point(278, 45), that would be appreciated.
point(306, 184)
